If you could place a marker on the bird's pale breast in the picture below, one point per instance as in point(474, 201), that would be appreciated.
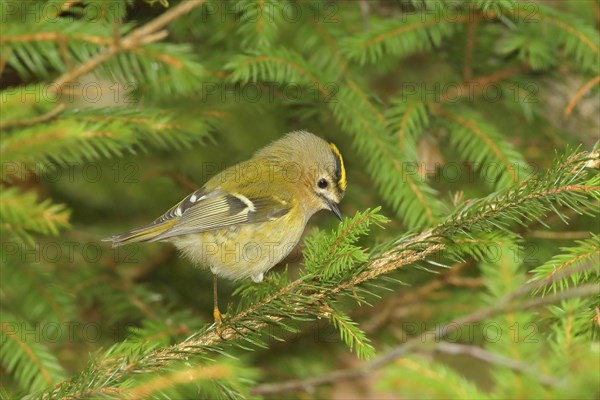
point(242, 251)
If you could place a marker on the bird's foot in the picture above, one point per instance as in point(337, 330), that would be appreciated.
point(219, 321)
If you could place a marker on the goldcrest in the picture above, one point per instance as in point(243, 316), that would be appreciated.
point(249, 217)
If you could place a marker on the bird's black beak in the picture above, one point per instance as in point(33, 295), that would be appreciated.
point(334, 209)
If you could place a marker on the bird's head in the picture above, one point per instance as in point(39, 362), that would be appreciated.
point(314, 166)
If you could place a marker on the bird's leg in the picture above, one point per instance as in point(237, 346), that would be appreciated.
point(216, 312)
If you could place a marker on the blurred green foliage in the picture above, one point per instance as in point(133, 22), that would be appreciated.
point(471, 124)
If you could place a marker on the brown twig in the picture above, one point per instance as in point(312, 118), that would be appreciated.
point(382, 316)
point(580, 93)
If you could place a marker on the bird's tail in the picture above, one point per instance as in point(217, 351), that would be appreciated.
point(143, 234)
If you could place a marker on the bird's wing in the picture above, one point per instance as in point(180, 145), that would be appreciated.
point(205, 211)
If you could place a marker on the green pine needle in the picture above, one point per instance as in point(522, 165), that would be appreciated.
point(577, 265)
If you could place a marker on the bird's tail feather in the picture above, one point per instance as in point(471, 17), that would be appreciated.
point(142, 234)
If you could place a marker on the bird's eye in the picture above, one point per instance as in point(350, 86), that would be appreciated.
point(322, 183)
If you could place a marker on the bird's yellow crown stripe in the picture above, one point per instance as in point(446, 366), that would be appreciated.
point(342, 179)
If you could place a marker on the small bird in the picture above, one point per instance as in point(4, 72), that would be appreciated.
point(250, 216)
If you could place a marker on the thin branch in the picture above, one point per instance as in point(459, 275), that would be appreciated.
point(495, 359)
point(34, 120)
point(580, 93)
point(469, 47)
point(415, 342)
point(381, 316)
point(565, 235)
point(55, 37)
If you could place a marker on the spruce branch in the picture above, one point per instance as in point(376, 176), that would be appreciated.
point(579, 41)
point(32, 364)
point(133, 58)
point(576, 40)
point(172, 353)
point(19, 110)
point(23, 216)
point(354, 338)
point(92, 134)
point(57, 37)
point(280, 65)
point(398, 38)
point(580, 261)
point(328, 34)
point(566, 184)
point(258, 26)
point(201, 377)
point(148, 33)
point(27, 294)
point(407, 120)
point(481, 143)
point(416, 375)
